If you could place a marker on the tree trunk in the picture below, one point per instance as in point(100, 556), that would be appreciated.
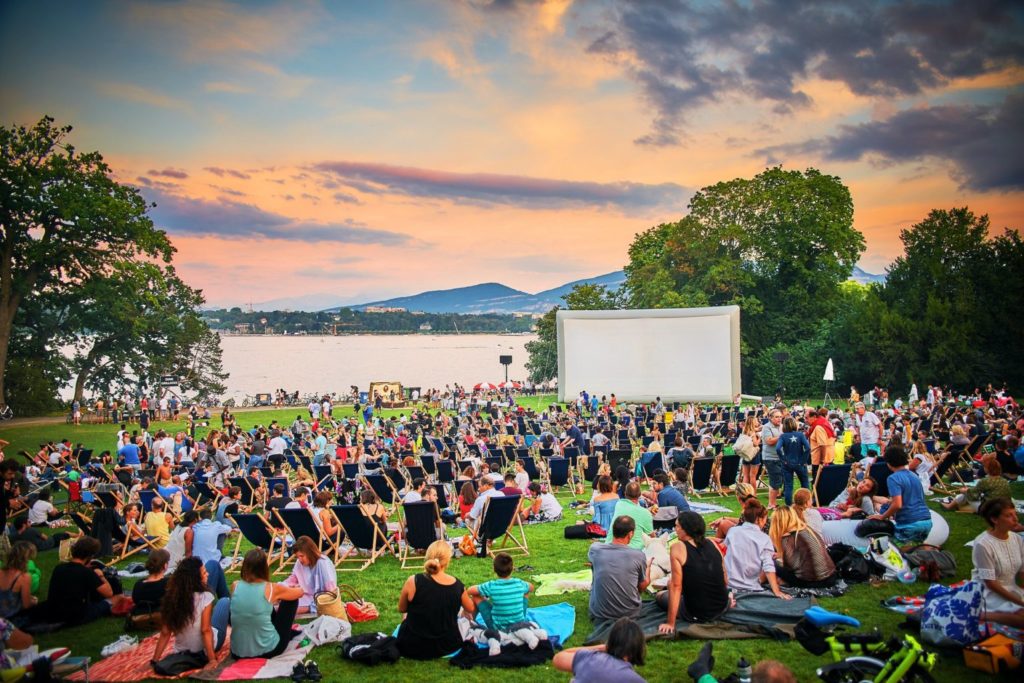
point(80, 384)
point(5, 343)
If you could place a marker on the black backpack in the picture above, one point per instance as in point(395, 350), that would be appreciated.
point(850, 563)
point(370, 649)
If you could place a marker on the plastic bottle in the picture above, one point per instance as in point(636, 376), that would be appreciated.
point(743, 670)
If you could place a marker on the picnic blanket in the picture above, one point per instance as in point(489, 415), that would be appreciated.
point(706, 508)
point(231, 669)
point(559, 620)
point(132, 664)
point(563, 582)
point(756, 615)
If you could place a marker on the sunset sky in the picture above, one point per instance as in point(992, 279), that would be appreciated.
point(373, 149)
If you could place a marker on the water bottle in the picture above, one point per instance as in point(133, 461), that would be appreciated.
point(743, 670)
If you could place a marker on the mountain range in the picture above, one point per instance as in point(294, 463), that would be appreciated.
point(487, 297)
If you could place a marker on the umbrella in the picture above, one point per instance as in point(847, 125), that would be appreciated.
point(510, 385)
point(485, 386)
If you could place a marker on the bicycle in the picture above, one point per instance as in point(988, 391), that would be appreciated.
point(6, 413)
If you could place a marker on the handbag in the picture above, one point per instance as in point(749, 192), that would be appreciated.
point(744, 447)
point(330, 603)
point(467, 546)
point(356, 607)
point(64, 553)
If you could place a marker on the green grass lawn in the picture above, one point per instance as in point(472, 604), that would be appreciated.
point(380, 584)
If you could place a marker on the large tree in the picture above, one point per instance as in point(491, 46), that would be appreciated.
point(63, 218)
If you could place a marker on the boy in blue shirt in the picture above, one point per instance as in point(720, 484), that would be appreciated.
point(906, 508)
point(502, 601)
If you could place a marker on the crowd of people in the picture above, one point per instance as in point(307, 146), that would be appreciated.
point(174, 495)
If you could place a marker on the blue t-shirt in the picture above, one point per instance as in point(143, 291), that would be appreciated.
point(130, 453)
point(906, 484)
point(1018, 456)
point(673, 496)
point(577, 436)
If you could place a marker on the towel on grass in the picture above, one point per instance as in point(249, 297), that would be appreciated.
point(755, 616)
point(706, 508)
point(231, 669)
point(133, 664)
point(563, 582)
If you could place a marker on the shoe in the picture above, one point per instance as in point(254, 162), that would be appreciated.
point(298, 673)
point(313, 672)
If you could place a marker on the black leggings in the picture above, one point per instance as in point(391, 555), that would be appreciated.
point(282, 618)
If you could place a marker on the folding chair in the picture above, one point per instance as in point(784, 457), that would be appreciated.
point(256, 530)
point(463, 464)
point(495, 463)
point(320, 472)
point(588, 467)
point(442, 495)
point(383, 487)
point(700, 475)
point(445, 471)
point(414, 472)
point(129, 548)
point(880, 473)
point(351, 470)
point(300, 522)
point(361, 531)
point(620, 458)
point(559, 473)
point(248, 498)
point(420, 525)
point(205, 494)
point(500, 516)
point(728, 469)
point(531, 468)
point(273, 481)
point(429, 464)
point(830, 482)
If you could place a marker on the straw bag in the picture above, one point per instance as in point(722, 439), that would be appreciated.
point(64, 553)
point(330, 604)
point(356, 608)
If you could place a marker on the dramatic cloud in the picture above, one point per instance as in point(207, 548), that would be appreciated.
point(686, 54)
point(492, 188)
point(983, 142)
point(170, 173)
point(225, 218)
point(224, 172)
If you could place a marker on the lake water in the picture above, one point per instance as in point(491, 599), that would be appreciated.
point(259, 364)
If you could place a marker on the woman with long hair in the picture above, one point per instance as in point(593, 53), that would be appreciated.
point(750, 438)
point(430, 603)
point(188, 613)
point(15, 580)
point(467, 498)
point(149, 593)
point(922, 464)
point(698, 586)
point(259, 630)
point(802, 557)
point(313, 572)
point(807, 514)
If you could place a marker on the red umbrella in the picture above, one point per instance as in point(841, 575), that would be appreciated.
point(485, 386)
point(510, 385)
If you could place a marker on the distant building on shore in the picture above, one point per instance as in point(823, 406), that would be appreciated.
point(383, 309)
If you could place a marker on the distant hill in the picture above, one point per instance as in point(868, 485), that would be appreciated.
point(864, 277)
point(489, 297)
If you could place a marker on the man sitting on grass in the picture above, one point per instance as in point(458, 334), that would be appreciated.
point(629, 506)
point(502, 601)
point(907, 508)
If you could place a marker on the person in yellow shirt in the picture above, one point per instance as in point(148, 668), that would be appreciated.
point(158, 523)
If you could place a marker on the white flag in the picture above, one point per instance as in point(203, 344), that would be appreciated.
point(830, 376)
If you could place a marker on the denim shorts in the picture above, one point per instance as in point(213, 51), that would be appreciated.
point(775, 478)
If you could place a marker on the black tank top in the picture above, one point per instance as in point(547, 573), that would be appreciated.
point(431, 629)
point(704, 593)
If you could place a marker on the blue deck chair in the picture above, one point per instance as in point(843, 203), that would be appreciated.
point(495, 463)
point(420, 525)
point(300, 522)
point(306, 461)
point(463, 464)
point(588, 467)
point(272, 481)
point(248, 498)
point(205, 495)
point(146, 497)
point(382, 486)
point(442, 495)
point(415, 472)
point(500, 520)
point(830, 482)
point(429, 464)
point(351, 470)
point(729, 467)
point(880, 473)
point(700, 475)
point(531, 468)
point(445, 471)
point(620, 458)
point(321, 471)
point(363, 534)
point(254, 528)
point(558, 472)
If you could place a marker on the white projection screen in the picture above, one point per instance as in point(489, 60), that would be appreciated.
point(679, 354)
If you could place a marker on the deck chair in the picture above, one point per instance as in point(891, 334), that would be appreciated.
point(256, 530)
point(655, 462)
point(729, 467)
point(82, 522)
point(700, 475)
point(531, 468)
point(588, 468)
point(363, 534)
point(383, 487)
point(272, 481)
point(419, 529)
point(300, 522)
point(499, 520)
point(414, 472)
point(320, 472)
point(442, 495)
point(560, 473)
point(108, 499)
point(129, 548)
point(351, 470)
point(880, 473)
point(619, 458)
point(248, 498)
point(445, 471)
point(463, 464)
point(205, 494)
point(429, 464)
point(305, 461)
point(496, 463)
point(830, 482)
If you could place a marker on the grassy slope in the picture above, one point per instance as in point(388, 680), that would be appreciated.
point(549, 553)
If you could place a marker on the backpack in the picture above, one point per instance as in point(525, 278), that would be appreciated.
point(933, 563)
point(850, 563)
point(370, 649)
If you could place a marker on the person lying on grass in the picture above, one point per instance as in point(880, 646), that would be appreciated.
point(613, 661)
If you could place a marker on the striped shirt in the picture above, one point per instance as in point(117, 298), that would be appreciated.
point(507, 603)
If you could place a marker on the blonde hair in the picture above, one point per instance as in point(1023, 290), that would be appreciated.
point(745, 490)
point(751, 426)
point(439, 554)
point(957, 430)
point(784, 522)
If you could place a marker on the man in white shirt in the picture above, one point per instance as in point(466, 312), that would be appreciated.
point(278, 445)
point(165, 445)
point(869, 427)
point(415, 494)
point(487, 490)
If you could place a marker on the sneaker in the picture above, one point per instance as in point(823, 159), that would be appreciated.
point(298, 673)
point(313, 671)
point(120, 645)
